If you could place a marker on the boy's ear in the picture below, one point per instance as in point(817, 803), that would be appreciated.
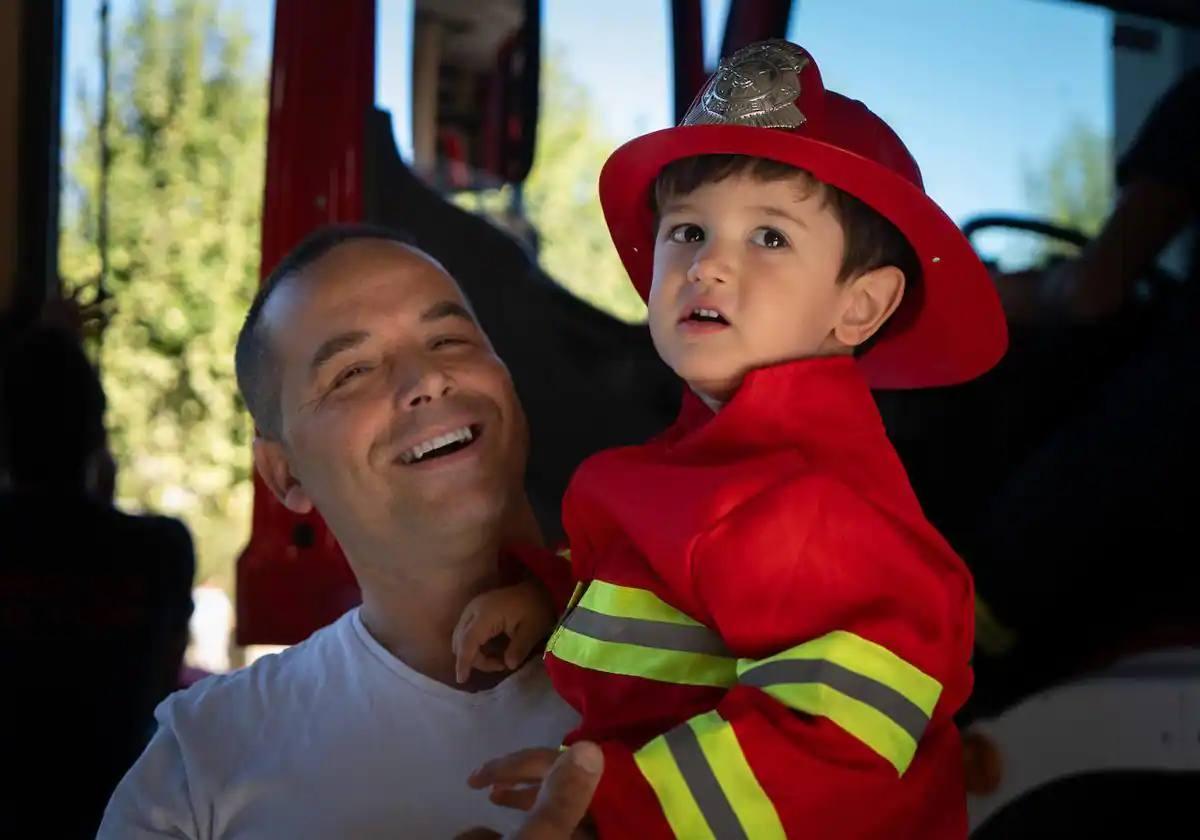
point(870, 300)
point(271, 461)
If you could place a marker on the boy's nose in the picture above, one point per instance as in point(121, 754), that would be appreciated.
point(710, 266)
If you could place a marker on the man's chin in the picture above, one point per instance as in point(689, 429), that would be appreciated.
point(458, 508)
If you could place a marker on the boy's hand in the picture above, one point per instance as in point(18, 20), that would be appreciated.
point(522, 612)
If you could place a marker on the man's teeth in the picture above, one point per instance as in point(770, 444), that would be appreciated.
point(463, 435)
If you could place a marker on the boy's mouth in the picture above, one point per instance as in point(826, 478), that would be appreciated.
point(704, 315)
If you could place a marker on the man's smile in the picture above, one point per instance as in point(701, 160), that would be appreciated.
point(440, 444)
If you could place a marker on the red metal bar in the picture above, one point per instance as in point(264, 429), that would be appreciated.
point(292, 577)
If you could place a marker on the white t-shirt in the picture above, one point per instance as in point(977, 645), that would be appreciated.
point(333, 738)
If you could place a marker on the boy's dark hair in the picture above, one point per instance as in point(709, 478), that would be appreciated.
point(254, 359)
point(872, 241)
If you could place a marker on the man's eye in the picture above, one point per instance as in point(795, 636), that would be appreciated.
point(686, 233)
point(348, 374)
point(448, 341)
point(769, 238)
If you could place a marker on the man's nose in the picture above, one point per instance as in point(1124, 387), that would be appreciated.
point(423, 384)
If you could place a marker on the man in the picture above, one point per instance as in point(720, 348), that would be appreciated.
point(94, 603)
point(381, 403)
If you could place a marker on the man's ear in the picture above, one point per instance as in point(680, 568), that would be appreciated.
point(271, 461)
point(870, 301)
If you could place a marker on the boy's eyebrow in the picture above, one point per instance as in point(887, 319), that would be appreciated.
point(675, 207)
point(766, 209)
point(769, 210)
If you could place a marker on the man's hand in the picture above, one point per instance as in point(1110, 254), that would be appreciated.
point(568, 782)
point(522, 612)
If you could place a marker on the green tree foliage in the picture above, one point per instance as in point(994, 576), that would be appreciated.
point(1074, 187)
point(185, 192)
point(561, 200)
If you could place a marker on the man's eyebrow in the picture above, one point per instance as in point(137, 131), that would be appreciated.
point(332, 347)
point(447, 309)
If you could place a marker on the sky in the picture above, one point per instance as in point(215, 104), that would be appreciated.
point(981, 91)
point(978, 90)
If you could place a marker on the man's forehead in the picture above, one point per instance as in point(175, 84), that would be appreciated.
point(359, 277)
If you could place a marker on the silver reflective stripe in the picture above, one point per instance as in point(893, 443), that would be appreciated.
point(703, 784)
point(906, 714)
point(664, 635)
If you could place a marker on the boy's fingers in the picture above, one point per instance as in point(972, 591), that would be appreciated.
point(463, 658)
point(566, 794)
point(522, 767)
point(462, 654)
point(460, 629)
point(489, 664)
point(470, 642)
point(520, 643)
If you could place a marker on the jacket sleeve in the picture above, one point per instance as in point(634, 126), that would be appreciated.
point(853, 633)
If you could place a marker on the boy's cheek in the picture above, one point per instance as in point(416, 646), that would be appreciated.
point(657, 301)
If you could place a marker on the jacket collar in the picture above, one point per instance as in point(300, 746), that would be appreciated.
point(819, 409)
point(802, 404)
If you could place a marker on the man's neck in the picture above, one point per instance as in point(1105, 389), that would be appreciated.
point(412, 611)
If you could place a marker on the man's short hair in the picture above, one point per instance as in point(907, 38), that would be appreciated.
point(872, 241)
point(53, 408)
point(258, 373)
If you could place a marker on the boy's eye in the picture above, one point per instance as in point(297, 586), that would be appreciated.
point(686, 233)
point(769, 238)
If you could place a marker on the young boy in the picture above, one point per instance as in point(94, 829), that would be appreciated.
point(767, 638)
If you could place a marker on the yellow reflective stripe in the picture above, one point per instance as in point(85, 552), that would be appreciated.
point(874, 661)
point(679, 807)
point(750, 803)
point(861, 686)
point(564, 553)
point(864, 722)
point(637, 661)
point(627, 602)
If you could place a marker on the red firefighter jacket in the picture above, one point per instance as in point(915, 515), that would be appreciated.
point(766, 636)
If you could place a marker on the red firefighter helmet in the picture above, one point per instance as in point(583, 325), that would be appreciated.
point(768, 101)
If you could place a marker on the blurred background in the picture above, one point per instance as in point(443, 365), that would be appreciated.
point(1007, 105)
point(158, 156)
